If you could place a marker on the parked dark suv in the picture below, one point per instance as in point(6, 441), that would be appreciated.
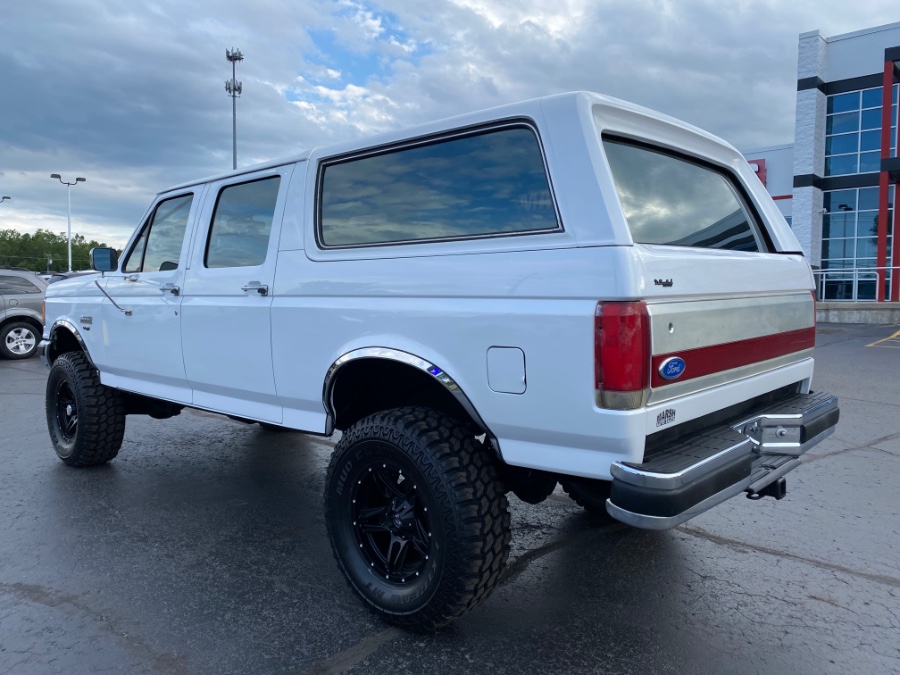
point(21, 296)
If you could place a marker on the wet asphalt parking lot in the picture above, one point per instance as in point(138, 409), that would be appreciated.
point(202, 549)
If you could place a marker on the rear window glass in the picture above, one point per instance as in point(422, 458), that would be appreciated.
point(673, 201)
point(490, 183)
point(16, 285)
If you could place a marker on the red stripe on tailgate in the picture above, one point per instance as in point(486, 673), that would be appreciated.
point(716, 358)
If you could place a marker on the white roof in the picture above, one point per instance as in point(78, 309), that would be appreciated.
point(510, 111)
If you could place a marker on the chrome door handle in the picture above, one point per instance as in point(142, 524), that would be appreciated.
point(262, 289)
point(171, 288)
point(132, 277)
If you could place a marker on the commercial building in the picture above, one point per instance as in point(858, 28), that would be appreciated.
point(836, 184)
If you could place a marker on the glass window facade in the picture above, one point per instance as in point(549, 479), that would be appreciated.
point(853, 131)
point(850, 243)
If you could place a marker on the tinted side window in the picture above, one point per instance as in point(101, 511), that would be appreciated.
point(159, 246)
point(488, 183)
point(673, 201)
point(241, 224)
point(15, 285)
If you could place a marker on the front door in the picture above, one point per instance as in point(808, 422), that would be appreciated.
point(141, 338)
point(227, 297)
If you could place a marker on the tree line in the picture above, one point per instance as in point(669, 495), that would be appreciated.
point(35, 251)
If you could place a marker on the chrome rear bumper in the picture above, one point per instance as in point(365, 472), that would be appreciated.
point(748, 454)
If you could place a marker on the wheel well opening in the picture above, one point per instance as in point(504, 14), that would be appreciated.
point(367, 386)
point(63, 342)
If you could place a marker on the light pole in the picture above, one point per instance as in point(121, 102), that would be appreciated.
point(4, 198)
point(68, 210)
point(234, 88)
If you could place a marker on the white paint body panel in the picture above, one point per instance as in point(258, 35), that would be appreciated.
point(449, 303)
point(226, 331)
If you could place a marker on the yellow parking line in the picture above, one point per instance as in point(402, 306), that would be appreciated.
point(895, 338)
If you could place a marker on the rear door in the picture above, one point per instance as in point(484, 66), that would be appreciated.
point(226, 322)
point(724, 304)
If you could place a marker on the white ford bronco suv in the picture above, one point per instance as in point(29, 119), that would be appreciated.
point(568, 290)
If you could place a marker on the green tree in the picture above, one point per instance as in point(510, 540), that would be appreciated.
point(32, 251)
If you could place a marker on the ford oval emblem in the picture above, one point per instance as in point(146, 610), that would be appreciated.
point(672, 368)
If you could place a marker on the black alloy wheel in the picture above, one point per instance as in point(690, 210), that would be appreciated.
point(66, 412)
point(390, 521)
point(417, 516)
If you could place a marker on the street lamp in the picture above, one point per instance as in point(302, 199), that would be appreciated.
point(69, 210)
point(4, 198)
point(234, 88)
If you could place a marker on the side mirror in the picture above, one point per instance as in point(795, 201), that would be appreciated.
point(104, 259)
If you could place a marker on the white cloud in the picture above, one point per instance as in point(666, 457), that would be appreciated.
point(132, 95)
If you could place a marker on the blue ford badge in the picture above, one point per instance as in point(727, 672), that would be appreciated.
point(672, 368)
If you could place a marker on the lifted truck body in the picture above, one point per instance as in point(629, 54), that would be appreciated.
point(586, 344)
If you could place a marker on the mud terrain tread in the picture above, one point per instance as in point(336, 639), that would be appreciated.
point(101, 413)
point(464, 480)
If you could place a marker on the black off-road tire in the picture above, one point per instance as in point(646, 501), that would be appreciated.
point(12, 331)
point(86, 420)
point(446, 472)
point(591, 495)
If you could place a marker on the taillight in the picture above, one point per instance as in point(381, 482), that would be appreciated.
point(621, 354)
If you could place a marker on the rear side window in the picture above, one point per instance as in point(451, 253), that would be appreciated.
point(674, 201)
point(159, 246)
point(242, 223)
point(17, 285)
point(482, 184)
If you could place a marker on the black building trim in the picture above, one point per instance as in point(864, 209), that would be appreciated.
point(860, 180)
point(892, 54)
point(854, 83)
point(811, 83)
point(892, 166)
point(807, 180)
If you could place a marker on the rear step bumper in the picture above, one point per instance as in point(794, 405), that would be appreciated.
point(749, 454)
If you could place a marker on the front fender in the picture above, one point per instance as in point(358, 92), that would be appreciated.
point(62, 336)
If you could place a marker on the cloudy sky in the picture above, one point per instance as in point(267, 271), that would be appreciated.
point(130, 94)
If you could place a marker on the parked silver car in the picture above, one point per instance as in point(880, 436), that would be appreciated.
point(21, 297)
